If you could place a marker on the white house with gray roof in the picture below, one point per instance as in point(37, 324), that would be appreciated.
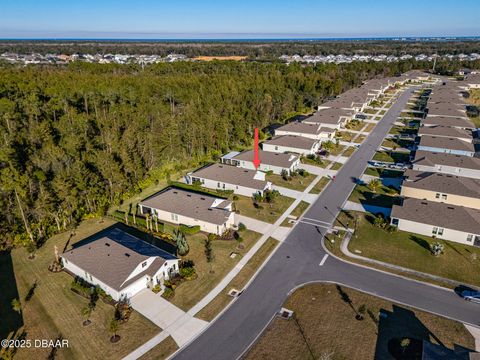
point(444, 221)
point(119, 263)
point(311, 131)
point(270, 161)
point(291, 144)
point(227, 177)
point(212, 214)
point(447, 163)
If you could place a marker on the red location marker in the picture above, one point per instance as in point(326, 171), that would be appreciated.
point(256, 158)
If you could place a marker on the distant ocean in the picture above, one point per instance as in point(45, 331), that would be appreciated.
point(254, 40)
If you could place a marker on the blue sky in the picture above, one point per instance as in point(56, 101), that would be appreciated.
point(237, 19)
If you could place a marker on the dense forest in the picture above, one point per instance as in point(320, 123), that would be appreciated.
point(253, 49)
point(80, 138)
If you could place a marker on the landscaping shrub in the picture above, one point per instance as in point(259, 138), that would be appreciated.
point(189, 230)
point(242, 227)
point(156, 289)
point(168, 293)
point(188, 273)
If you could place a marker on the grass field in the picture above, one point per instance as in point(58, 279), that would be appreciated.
point(337, 149)
point(55, 310)
point(268, 213)
point(459, 262)
point(190, 292)
point(369, 127)
point(211, 58)
point(162, 351)
point(356, 126)
point(209, 312)
point(391, 156)
point(297, 212)
point(362, 194)
point(474, 99)
point(336, 166)
point(345, 135)
point(323, 163)
point(349, 151)
point(359, 139)
point(397, 143)
point(386, 173)
point(324, 326)
point(320, 185)
point(296, 182)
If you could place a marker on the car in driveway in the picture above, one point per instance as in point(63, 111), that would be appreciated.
point(471, 295)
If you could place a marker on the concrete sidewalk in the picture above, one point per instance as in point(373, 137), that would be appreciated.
point(353, 206)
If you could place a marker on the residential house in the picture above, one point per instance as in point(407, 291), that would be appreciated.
point(292, 144)
point(119, 263)
point(330, 118)
point(446, 131)
point(444, 221)
point(312, 131)
point(446, 145)
point(270, 161)
point(231, 178)
point(212, 214)
point(457, 122)
point(447, 163)
point(446, 188)
point(446, 110)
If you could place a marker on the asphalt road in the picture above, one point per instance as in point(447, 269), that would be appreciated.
point(297, 261)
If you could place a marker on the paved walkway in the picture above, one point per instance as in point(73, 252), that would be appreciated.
point(253, 224)
point(174, 321)
point(386, 181)
point(316, 170)
point(295, 193)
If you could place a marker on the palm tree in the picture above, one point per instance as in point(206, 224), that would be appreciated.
point(374, 184)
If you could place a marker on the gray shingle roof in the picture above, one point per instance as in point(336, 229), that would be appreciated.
point(444, 183)
point(448, 121)
point(428, 158)
point(298, 142)
point(270, 158)
point(190, 204)
point(438, 214)
point(304, 128)
point(445, 131)
point(328, 116)
point(112, 257)
point(441, 142)
point(231, 175)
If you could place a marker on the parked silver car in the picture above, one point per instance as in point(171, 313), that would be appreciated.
point(471, 295)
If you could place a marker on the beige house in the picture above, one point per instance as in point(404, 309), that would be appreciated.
point(445, 188)
point(213, 214)
point(443, 221)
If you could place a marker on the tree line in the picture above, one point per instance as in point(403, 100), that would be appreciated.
point(78, 139)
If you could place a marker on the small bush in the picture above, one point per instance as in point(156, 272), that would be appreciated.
point(189, 230)
point(187, 273)
point(242, 227)
point(156, 289)
point(168, 293)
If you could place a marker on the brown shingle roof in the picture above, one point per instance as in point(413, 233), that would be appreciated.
point(439, 214)
point(444, 183)
point(189, 204)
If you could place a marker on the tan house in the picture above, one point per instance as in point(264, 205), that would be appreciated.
point(445, 188)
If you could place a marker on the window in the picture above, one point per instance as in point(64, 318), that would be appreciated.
point(437, 231)
point(469, 237)
point(395, 221)
point(174, 217)
point(444, 196)
point(437, 196)
point(276, 147)
point(218, 185)
point(144, 264)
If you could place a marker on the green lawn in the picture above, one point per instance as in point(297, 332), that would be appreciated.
point(296, 182)
point(297, 212)
point(320, 163)
point(362, 194)
point(359, 139)
point(370, 111)
point(349, 151)
point(355, 125)
point(336, 150)
point(188, 293)
point(336, 166)
point(378, 118)
point(396, 130)
point(162, 351)
point(394, 157)
point(397, 143)
point(382, 112)
point(385, 173)
point(459, 262)
point(55, 310)
point(268, 212)
point(369, 127)
point(213, 308)
point(320, 185)
point(345, 135)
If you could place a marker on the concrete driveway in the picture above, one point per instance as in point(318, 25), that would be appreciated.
point(180, 325)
